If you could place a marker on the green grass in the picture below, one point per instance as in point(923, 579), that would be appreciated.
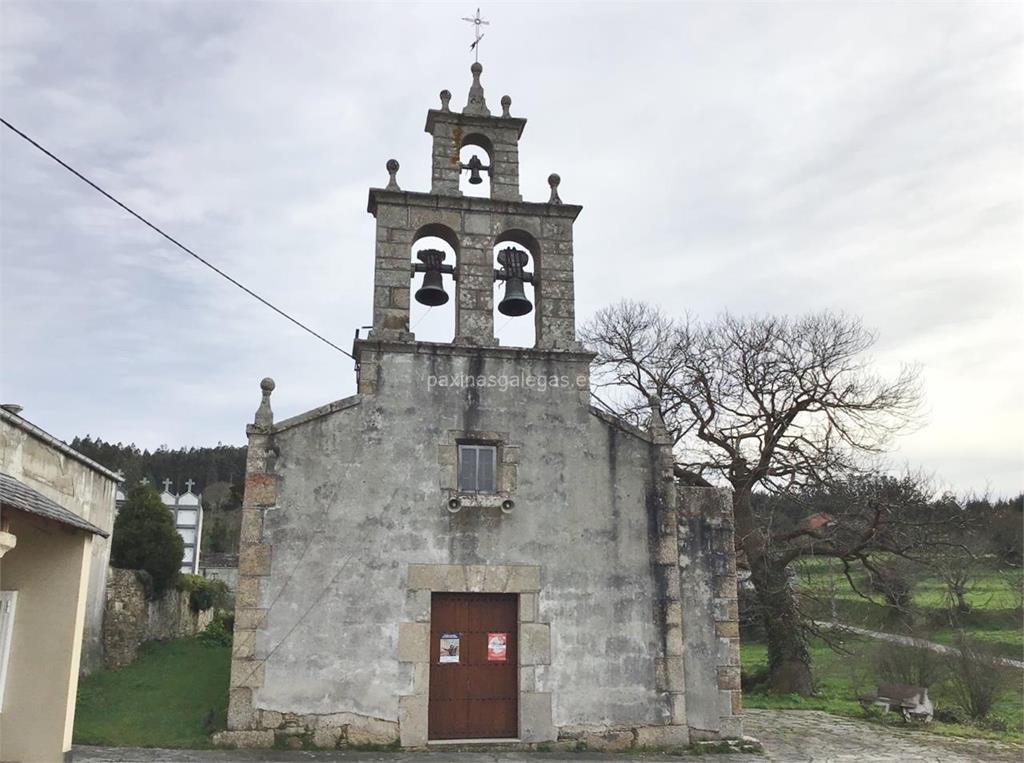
point(987, 589)
point(841, 678)
point(160, 700)
point(995, 618)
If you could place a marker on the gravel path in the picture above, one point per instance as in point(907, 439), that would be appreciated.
point(918, 643)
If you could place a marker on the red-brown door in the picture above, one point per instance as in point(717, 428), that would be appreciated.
point(474, 694)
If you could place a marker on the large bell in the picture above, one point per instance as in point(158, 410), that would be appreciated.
point(513, 264)
point(514, 303)
point(432, 291)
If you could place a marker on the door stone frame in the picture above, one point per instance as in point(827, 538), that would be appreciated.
point(535, 718)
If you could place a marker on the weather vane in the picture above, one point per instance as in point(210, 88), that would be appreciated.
point(477, 22)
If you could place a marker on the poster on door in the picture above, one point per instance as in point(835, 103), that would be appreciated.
point(497, 647)
point(449, 647)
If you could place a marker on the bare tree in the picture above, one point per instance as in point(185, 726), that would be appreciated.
point(778, 404)
point(978, 682)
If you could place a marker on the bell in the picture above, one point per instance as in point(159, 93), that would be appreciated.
point(474, 165)
point(514, 303)
point(513, 262)
point(432, 291)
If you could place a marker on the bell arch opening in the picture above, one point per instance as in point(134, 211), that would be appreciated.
point(476, 155)
point(432, 298)
point(512, 326)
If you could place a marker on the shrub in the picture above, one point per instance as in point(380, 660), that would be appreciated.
point(220, 629)
point(950, 715)
point(146, 581)
point(217, 541)
point(145, 539)
point(894, 583)
point(977, 682)
point(908, 665)
point(204, 593)
point(750, 680)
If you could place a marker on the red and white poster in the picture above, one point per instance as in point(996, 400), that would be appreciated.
point(497, 647)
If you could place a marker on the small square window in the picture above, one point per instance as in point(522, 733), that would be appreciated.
point(477, 467)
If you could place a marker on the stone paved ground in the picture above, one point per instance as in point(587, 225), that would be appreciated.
point(809, 735)
point(788, 736)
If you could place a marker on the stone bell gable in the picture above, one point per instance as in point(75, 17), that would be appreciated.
point(473, 227)
point(466, 548)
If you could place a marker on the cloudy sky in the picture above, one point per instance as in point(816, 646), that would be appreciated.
point(755, 157)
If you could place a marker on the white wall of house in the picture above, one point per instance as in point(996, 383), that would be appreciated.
point(49, 466)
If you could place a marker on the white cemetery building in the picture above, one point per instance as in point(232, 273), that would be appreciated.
point(187, 508)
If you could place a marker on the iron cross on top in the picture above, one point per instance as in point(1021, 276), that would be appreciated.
point(477, 22)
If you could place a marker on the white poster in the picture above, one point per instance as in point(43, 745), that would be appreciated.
point(449, 647)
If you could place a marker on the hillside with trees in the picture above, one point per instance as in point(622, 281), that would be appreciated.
point(218, 473)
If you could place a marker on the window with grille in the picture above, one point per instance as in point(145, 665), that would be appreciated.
point(477, 467)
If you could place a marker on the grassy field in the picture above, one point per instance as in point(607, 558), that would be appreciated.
point(161, 700)
point(995, 617)
point(840, 678)
point(995, 620)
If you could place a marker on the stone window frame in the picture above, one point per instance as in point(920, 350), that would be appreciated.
point(536, 722)
point(506, 475)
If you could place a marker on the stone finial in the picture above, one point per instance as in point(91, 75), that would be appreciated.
point(553, 181)
point(656, 427)
point(446, 98)
point(392, 167)
point(475, 104)
point(506, 103)
point(265, 416)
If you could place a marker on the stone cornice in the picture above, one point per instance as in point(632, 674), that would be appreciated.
point(468, 203)
point(473, 120)
point(467, 350)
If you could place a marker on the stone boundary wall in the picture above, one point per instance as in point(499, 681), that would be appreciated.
point(707, 564)
point(130, 620)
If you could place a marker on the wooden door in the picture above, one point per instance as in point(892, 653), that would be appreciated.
point(477, 696)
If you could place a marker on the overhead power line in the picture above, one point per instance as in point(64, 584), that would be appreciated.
point(173, 240)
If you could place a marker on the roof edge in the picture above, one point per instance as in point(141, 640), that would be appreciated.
point(63, 447)
point(316, 413)
point(21, 497)
point(622, 424)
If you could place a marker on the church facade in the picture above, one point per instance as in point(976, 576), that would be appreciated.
point(466, 549)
